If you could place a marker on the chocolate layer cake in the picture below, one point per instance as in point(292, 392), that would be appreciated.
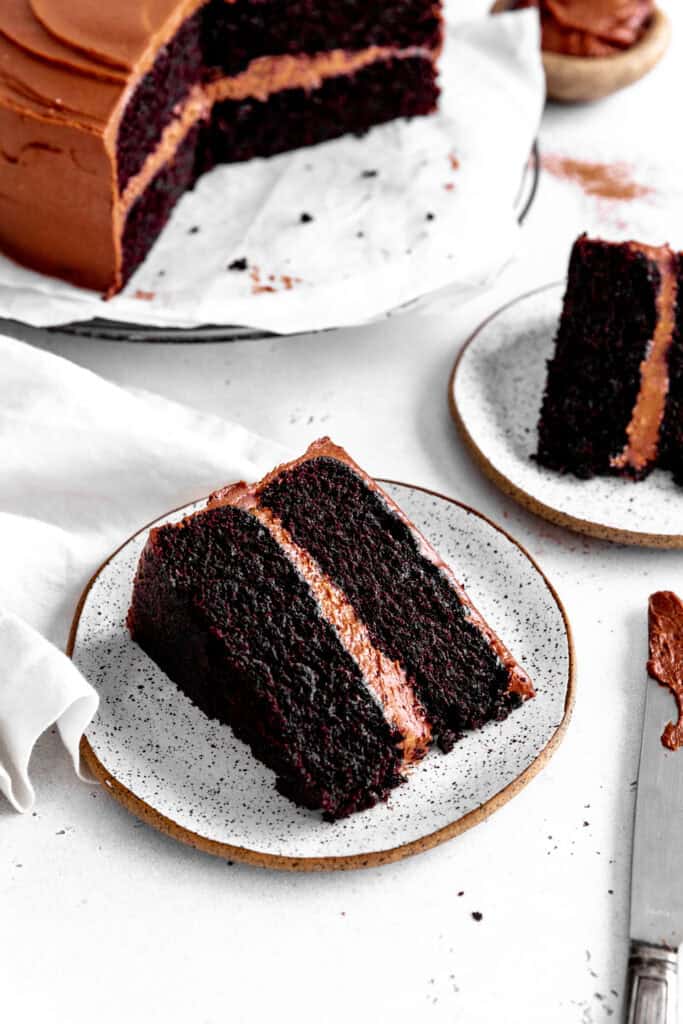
point(109, 112)
point(311, 616)
point(613, 402)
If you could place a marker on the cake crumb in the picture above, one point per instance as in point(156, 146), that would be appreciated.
point(430, 216)
point(369, 174)
point(454, 162)
point(477, 915)
point(239, 264)
point(257, 288)
point(306, 218)
point(145, 296)
point(450, 187)
point(193, 230)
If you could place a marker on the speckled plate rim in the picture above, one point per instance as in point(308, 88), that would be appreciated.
point(146, 813)
point(589, 527)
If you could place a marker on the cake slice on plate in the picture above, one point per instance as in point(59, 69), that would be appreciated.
point(613, 401)
point(311, 616)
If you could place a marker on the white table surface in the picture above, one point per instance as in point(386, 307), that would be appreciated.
point(104, 920)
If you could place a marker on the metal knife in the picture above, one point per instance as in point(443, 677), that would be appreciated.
point(656, 925)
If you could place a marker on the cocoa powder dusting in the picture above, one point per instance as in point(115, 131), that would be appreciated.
point(605, 181)
point(665, 663)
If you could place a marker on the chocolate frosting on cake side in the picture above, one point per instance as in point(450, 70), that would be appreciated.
point(644, 429)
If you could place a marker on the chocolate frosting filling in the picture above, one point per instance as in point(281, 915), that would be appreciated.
point(644, 429)
point(665, 663)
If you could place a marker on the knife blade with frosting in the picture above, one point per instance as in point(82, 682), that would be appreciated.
point(656, 922)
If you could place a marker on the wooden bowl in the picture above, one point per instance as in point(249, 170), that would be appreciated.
point(579, 79)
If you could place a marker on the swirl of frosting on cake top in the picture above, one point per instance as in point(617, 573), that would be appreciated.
point(117, 35)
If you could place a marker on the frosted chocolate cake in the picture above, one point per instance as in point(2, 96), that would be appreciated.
point(110, 112)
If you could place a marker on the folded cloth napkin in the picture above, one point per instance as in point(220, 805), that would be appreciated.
point(83, 465)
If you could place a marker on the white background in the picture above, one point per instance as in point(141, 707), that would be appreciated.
point(104, 920)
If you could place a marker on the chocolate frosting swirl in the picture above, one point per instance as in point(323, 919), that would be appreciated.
point(591, 28)
point(666, 656)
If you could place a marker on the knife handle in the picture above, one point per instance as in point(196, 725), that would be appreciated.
point(652, 985)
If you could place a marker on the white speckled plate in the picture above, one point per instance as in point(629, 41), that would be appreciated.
point(189, 776)
point(496, 392)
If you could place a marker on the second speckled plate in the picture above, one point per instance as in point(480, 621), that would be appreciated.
point(190, 777)
point(496, 391)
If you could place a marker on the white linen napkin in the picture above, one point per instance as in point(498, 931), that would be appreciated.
point(83, 465)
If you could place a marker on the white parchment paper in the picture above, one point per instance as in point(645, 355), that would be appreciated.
point(411, 208)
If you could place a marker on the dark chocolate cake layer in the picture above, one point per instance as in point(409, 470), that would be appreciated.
point(151, 211)
point(294, 118)
point(157, 97)
point(223, 612)
point(222, 38)
point(671, 456)
point(235, 34)
point(608, 321)
point(288, 119)
point(408, 603)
